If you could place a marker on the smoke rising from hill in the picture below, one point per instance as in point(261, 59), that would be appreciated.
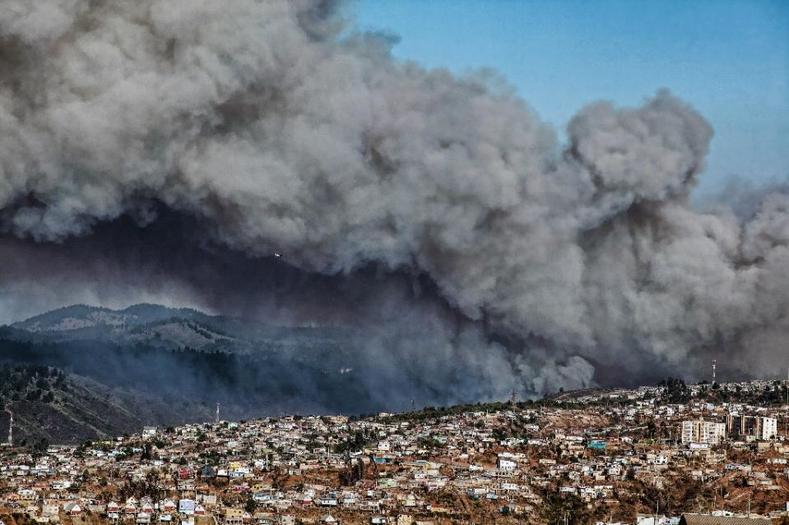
point(272, 134)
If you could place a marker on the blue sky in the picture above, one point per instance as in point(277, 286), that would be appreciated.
point(728, 58)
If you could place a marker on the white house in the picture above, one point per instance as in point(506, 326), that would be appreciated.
point(506, 464)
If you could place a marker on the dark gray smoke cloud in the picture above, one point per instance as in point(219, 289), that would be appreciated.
point(274, 135)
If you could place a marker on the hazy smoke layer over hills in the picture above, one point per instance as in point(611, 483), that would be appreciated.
point(182, 356)
point(438, 210)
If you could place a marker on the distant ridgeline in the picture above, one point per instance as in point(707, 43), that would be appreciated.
point(152, 364)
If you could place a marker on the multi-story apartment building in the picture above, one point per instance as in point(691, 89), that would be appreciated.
point(700, 431)
point(756, 427)
point(769, 428)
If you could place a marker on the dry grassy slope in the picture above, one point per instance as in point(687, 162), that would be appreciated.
point(80, 409)
point(76, 413)
point(72, 418)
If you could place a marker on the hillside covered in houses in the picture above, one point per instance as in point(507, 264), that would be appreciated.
point(646, 456)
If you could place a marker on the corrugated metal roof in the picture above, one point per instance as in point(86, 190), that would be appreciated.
point(705, 519)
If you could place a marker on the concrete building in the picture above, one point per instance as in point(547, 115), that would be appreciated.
point(700, 431)
point(769, 428)
point(755, 427)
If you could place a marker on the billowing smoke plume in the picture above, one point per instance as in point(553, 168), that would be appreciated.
point(272, 133)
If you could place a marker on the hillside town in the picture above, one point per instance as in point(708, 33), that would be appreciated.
point(659, 455)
